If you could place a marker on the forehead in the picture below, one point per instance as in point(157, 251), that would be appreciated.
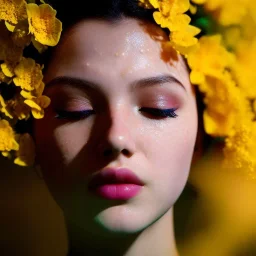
point(91, 36)
point(127, 48)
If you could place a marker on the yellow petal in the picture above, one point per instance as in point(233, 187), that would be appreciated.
point(38, 114)
point(31, 103)
point(44, 101)
point(9, 26)
point(6, 154)
point(8, 69)
point(26, 94)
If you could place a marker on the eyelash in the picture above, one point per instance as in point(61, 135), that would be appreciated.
point(78, 115)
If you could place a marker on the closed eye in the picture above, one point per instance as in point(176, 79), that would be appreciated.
point(160, 112)
point(78, 115)
point(73, 115)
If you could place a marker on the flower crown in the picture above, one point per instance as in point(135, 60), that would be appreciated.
point(216, 38)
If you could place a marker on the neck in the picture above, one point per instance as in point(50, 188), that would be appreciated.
point(157, 239)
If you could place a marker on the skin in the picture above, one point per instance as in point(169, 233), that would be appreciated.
point(114, 57)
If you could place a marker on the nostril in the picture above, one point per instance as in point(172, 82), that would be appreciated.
point(112, 152)
point(126, 152)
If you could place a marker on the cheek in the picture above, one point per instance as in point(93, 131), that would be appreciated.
point(172, 151)
point(58, 145)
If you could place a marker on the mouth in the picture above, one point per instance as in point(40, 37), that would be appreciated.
point(115, 184)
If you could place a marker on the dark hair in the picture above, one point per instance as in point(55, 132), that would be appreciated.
point(70, 13)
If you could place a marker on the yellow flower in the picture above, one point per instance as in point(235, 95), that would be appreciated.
point(171, 15)
point(7, 137)
point(43, 24)
point(38, 105)
point(209, 57)
point(28, 74)
point(12, 10)
point(26, 152)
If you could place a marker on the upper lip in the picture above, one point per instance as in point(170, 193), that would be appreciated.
point(114, 176)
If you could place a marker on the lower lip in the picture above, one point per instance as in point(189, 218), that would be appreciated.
point(118, 191)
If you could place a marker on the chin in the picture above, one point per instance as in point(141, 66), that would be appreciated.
point(122, 219)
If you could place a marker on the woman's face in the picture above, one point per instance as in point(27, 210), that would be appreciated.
point(104, 79)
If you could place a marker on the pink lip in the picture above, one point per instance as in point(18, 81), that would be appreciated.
point(119, 184)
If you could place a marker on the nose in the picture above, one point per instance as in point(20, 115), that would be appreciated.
point(118, 136)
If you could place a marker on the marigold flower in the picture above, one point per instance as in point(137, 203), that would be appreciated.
point(28, 74)
point(7, 137)
point(43, 24)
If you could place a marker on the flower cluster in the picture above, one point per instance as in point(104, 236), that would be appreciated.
point(222, 66)
point(23, 23)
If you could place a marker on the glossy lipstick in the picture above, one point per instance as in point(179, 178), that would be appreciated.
point(115, 184)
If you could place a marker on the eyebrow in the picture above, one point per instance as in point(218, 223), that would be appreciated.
point(141, 83)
